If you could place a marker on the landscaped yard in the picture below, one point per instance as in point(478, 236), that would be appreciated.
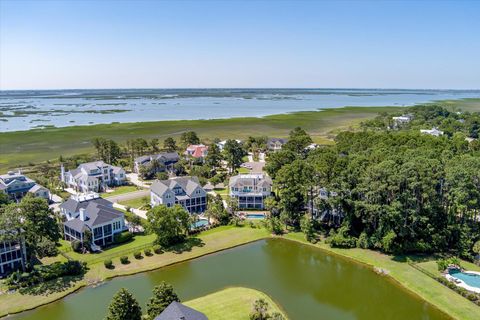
point(135, 203)
point(223, 192)
point(231, 304)
point(243, 170)
point(120, 190)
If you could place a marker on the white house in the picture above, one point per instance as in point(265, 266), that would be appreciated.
point(250, 190)
point(90, 212)
point(433, 132)
point(221, 144)
point(12, 255)
point(185, 191)
point(93, 176)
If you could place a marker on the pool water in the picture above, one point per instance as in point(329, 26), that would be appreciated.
point(200, 223)
point(471, 279)
point(255, 216)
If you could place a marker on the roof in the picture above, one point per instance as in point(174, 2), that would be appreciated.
point(36, 188)
point(178, 311)
point(97, 211)
point(74, 205)
point(163, 157)
point(250, 180)
point(197, 150)
point(188, 184)
point(276, 140)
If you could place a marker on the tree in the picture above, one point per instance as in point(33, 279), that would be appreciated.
point(274, 225)
point(260, 310)
point(216, 211)
point(107, 150)
point(298, 141)
point(124, 307)
point(233, 154)
point(277, 160)
point(170, 224)
point(214, 156)
point(154, 145)
point(163, 295)
point(189, 137)
point(306, 225)
point(170, 145)
point(4, 199)
point(476, 249)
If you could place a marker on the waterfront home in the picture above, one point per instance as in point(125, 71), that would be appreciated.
point(401, 120)
point(95, 214)
point(185, 191)
point(275, 144)
point(166, 161)
point(178, 311)
point(221, 144)
point(250, 190)
point(93, 176)
point(16, 186)
point(197, 151)
point(12, 255)
point(320, 208)
point(433, 132)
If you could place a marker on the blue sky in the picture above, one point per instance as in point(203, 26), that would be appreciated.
point(200, 44)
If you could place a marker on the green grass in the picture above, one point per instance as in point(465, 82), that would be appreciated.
point(231, 304)
point(19, 148)
point(427, 288)
point(134, 203)
point(243, 170)
point(120, 190)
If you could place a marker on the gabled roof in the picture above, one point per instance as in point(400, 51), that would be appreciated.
point(188, 185)
point(73, 205)
point(250, 180)
point(178, 311)
point(36, 188)
point(97, 212)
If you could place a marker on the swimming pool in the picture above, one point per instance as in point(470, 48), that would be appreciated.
point(471, 279)
point(199, 223)
point(255, 216)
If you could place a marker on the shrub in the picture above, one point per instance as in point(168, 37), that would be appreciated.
point(362, 241)
point(157, 249)
point(137, 254)
point(148, 252)
point(124, 260)
point(76, 246)
point(122, 237)
point(108, 264)
point(388, 241)
point(341, 239)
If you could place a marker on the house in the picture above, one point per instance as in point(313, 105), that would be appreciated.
point(250, 190)
point(93, 213)
point(12, 255)
point(403, 119)
point(319, 207)
point(275, 144)
point(185, 191)
point(17, 185)
point(311, 146)
point(93, 176)
point(178, 311)
point(166, 161)
point(197, 151)
point(433, 132)
point(221, 144)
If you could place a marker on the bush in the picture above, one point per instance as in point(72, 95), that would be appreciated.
point(124, 260)
point(108, 264)
point(341, 239)
point(76, 246)
point(362, 241)
point(122, 237)
point(137, 255)
point(157, 249)
point(148, 252)
point(46, 248)
point(388, 241)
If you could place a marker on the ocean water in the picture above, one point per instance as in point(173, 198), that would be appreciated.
point(24, 110)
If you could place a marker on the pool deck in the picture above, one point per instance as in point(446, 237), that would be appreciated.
point(462, 283)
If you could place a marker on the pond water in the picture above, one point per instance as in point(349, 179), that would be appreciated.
point(24, 110)
point(307, 282)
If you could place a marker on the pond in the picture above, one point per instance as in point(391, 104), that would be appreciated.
point(308, 283)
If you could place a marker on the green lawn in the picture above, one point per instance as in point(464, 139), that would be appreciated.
point(231, 304)
point(134, 203)
point(243, 170)
point(427, 288)
point(120, 190)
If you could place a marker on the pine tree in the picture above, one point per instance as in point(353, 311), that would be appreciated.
point(163, 295)
point(124, 307)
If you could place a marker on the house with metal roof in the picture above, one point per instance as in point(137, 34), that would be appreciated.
point(185, 191)
point(178, 311)
point(250, 190)
point(17, 185)
point(276, 144)
point(433, 132)
point(166, 161)
point(93, 213)
point(93, 176)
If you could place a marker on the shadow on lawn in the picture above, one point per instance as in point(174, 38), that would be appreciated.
point(52, 286)
point(186, 245)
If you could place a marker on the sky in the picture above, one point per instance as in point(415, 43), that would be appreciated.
point(241, 44)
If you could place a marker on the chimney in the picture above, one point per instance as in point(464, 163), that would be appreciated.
point(62, 173)
point(82, 214)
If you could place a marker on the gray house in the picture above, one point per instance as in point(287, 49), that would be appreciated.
point(90, 212)
point(276, 144)
point(166, 161)
point(12, 255)
point(178, 311)
point(250, 190)
point(17, 185)
point(185, 191)
point(93, 176)
point(321, 208)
